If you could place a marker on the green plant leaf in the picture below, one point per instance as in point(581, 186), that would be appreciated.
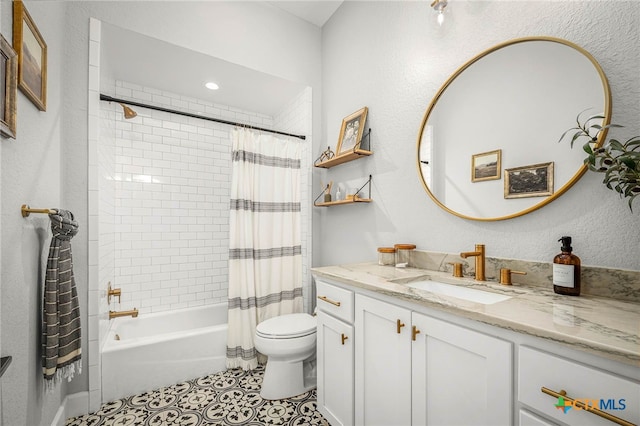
point(633, 197)
point(615, 145)
point(619, 163)
point(628, 162)
point(565, 133)
point(608, 126)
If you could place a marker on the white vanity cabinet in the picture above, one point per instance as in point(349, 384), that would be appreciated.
point(406, 363)
point(598, 389)
point(383, 363)
point(335, 359)
point(415, 369)
point(459, 376)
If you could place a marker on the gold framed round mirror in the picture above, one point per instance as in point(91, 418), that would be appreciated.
point(488, 145)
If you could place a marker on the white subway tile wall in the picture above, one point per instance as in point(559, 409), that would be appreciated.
point(172, 178)
point(100, 221)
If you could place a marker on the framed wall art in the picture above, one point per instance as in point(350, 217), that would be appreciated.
point(8, 89)
point(32, 56)
point(535, 180)
point(486, 166)
point(351, 131)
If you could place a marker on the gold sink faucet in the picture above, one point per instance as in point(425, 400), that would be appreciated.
point(479, 255)
point(133, 313)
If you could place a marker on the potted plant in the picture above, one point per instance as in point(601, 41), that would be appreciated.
point(619, 161)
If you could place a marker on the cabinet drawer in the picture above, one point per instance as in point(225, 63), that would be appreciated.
point(597, 389)
point(528, 419)
point(335, 301)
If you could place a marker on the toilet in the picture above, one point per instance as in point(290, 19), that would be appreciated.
point(289, 342)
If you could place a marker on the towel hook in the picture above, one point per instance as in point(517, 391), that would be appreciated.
point(26, 210)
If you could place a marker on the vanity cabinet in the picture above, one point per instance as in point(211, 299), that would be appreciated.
point(383, 363)
point(335, 348)
point(525, 418)
point(404, 362)
point(459, 376)
point(598, 389)
point(415, 369)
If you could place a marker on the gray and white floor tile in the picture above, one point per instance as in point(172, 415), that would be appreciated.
point(230, 397)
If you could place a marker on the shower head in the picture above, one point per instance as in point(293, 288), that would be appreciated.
point(128, 112)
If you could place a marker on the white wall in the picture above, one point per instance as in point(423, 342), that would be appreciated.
point(30, 174)
point(393, 57)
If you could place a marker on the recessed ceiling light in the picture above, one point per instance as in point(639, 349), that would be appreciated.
point(211, 86)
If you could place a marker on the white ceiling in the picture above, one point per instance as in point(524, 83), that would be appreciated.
point(317, 12)
point(139, 59)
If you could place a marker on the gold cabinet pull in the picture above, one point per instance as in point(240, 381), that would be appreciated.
point(326, 299)
point(344, 338)
point(582, 405)
point(414, 332)
point(399, 325)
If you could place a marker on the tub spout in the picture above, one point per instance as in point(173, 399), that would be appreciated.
point(133, 313)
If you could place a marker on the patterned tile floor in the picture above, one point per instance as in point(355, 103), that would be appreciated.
point(230, 397)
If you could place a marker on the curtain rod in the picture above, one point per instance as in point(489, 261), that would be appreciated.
point(107, 98)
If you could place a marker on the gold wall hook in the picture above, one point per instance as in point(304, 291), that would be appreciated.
point(26, 210)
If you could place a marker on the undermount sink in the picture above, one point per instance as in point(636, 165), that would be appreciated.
point(459, 292)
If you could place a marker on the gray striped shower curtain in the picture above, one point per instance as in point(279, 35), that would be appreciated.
point(265, 253)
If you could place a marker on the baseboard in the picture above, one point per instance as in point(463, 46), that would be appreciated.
point(76, 404)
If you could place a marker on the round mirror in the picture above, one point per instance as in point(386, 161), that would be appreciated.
point(488, 144)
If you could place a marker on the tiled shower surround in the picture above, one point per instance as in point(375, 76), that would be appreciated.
point(159, 201)
point(171, 186)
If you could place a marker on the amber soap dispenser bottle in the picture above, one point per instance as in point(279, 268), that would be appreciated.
point(566, 270)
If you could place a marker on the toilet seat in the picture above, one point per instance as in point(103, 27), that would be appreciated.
point(287, 326)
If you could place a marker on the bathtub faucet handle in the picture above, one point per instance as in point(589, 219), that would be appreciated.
point(113, 292)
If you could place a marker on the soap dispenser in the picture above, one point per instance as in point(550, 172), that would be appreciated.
point(566, 270)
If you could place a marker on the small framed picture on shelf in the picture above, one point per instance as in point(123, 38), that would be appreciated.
point(32, 56)
point(535, 180)
point(486, 166)
point(8, 89)
point(351, 131)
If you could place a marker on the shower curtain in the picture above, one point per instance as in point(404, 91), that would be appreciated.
point(265, 253)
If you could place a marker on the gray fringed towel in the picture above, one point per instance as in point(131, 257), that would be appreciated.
point(61, 350)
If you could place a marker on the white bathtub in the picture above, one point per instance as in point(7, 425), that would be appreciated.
point(161, 349)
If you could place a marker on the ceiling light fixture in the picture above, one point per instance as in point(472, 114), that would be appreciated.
point(439, 6)
point(211, 86)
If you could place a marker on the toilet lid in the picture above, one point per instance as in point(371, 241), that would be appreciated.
point(287, 326)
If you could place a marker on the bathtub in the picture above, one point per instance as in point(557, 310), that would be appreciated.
point(162, 349)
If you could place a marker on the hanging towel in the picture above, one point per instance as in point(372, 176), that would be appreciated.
point(61, 351)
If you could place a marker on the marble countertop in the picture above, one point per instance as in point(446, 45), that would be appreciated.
point(606, 327)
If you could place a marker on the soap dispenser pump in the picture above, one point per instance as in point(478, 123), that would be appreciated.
point(566, 270)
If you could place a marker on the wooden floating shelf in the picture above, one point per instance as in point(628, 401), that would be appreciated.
point(349, 200)
point(344, 158)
